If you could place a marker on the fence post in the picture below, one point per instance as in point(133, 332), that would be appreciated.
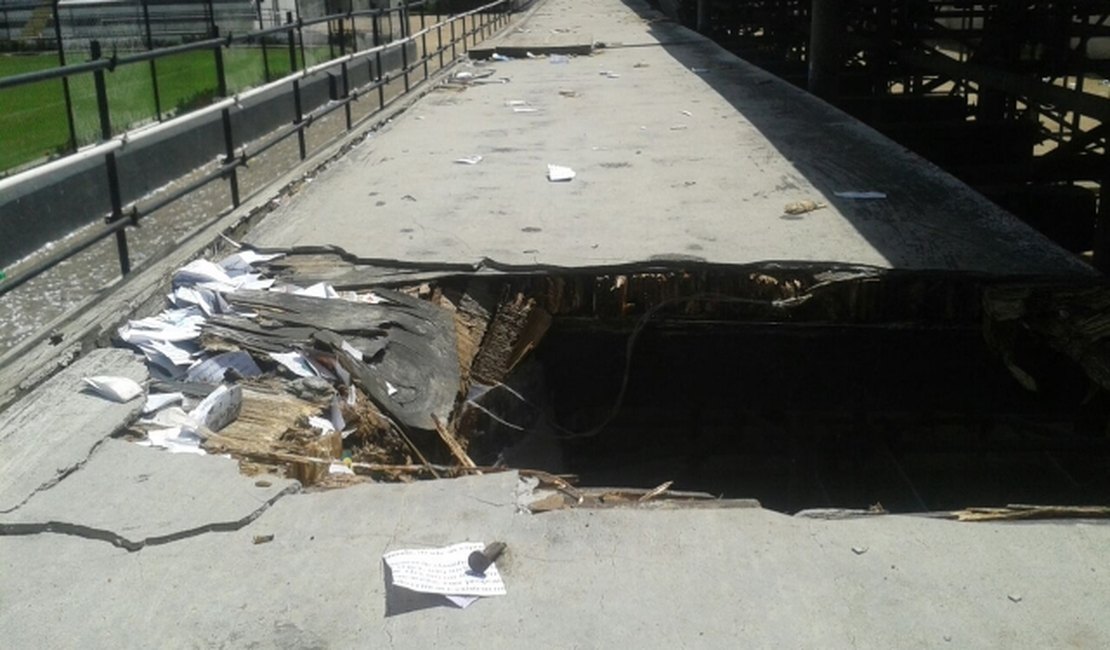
point(65, 80)
point(262, 42)
point(221, 75)
point(346, 79)
point(424, 38)
point(110, 159)
point(405, 54)
point(298, 116)
point(229, 147)
point(292, 45)
point(153, 67)
point(300, 40)
point(101, 93)
point(331, 42)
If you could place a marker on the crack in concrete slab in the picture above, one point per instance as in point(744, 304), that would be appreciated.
point(62, 474)
point(115, 539)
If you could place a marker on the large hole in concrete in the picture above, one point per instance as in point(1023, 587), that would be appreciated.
point(800, 387)
point(913, 414)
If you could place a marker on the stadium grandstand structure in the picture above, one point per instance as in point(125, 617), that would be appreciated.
point(29, 25)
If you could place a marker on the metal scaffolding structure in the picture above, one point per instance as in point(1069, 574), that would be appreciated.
point(1011, 97)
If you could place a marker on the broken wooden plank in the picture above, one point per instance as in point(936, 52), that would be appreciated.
point(1022, 512)
point(453, 445)
point(1074, 321)
point(267, 413)
point(510, 334)
point(409, 363)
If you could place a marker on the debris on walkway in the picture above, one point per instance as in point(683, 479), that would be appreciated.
point(802, 207)
point(559, 174)
point(1023, 512)
point(117, 389)
point(445, 571)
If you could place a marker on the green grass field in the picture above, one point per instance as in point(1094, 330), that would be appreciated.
point(33, 117)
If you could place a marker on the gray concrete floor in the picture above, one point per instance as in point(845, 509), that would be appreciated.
point(712, 578)
point(689, 152)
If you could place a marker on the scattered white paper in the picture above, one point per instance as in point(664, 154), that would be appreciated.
point(177, 354)
point(117, 389)
point(295, 362)
point(865, 196)
point(319, 369)
point(173, 416)
point(242, 261)
point(532, 56)
point(204, 299)
point(558, 173)
point(355, 353)
point(172, 325)
point(199, 271)
point(390, 389)
point(462, 602)
point(369, 298)
point(469, 160)
point(158, 401)
point(318, 290)
point(340, 468)
point(687, 113)
point(335, 415)
point(212, 371)
point(323, 425)
point(443, 571)
point(175, 440)
point(525, 109)
point(219, 408)
point(499, 57)
point(244, 281)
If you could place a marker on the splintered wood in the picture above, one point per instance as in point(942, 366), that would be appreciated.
point(1073, 321)
point(1020, 512)
point(398, 363)
point(516, 329)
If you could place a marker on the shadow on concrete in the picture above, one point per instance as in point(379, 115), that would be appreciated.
point(399, 600)
point(931, 220)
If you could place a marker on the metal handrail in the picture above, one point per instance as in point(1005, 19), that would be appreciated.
point(122, 217)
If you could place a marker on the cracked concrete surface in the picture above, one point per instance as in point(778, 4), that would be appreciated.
point(575, 578)
point(51, 432)
point(134, 496)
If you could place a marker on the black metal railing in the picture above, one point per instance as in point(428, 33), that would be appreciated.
point(462, 29)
